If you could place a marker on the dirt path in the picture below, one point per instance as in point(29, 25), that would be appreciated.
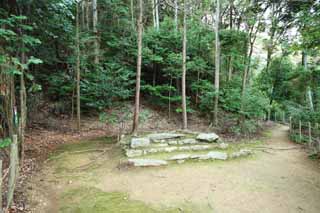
point(274, 181)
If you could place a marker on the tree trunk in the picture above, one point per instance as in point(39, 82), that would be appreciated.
point(169, 104)
point(138, 75)
point(87, 14)
point(184, 68)
point(157, 14)
point(230, 67)
point(132, 13)
point(217, 64)
point(78, 70)
point(309, 92)
point(23, 108)
point(13, 170)
point(153, 5)
point(83, 14)
point(95, 31)
point(176, 15)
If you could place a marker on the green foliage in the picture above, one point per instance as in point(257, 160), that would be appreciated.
point(5, 142)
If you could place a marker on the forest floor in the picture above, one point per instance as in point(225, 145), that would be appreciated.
point(86, 177)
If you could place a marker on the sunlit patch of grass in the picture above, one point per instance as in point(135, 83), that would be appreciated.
point(90, 199)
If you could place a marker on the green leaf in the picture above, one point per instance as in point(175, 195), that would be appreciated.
point(5, 142)
point(34, 60)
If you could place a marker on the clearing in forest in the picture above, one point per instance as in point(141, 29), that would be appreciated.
point(86, 177)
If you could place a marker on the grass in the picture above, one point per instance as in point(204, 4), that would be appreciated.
point(91, 199)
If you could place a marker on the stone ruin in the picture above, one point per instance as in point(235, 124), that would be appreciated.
point(160, 149)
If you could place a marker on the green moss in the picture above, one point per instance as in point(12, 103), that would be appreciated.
point(90, 199)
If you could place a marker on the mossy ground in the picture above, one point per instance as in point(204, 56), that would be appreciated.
point(90, 199)
point(76, 170)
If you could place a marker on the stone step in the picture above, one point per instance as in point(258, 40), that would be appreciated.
point(183, 157)
point(147, 162)
point(169, 149)
point(172, 139)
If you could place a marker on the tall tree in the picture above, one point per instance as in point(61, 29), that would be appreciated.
point(176, 15)
point(138, 74)
point(157, 14)
point(184, 68)
point(78, 68)
point(95, 31)
point(217, 63)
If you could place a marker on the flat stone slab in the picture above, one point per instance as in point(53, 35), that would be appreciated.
point(187, 141)
point(212, 155)
point(223, 145)
point(242, 152)
point(180, 157)
point(208, 137)
point(133, 153)
point(147, 162)
point(139, 142)
point(159, 137)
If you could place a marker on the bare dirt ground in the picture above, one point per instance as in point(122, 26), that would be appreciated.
point(277, 181)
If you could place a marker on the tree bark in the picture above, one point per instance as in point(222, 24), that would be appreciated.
point(309, 92)
point(78, 70)
point(138, 74)
point(230, 65)
point(87, 14)
point(23, 108)
point(217, 64)
point(157, 14)
point(176, 15)
point(132, 14)
point(95, 31)
point(184, 68)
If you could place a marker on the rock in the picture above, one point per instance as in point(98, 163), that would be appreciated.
point(160, 137)
point(160, 145)
point(133, 153)
point(180, 161)
point(208, 137)
point(180, 157)
point(147, 162)
point(242, 152)
point(172, 142)
point(187, 141)
point(139, 142)
point(199, 147)
point(171, 149)
point(223, 145)
point(212, 155)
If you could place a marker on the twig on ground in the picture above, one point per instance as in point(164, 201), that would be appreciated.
point(94, 160)
point(278, 148)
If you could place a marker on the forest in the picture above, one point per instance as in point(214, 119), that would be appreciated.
point(85, 69)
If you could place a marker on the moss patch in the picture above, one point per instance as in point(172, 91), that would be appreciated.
point(90, 199)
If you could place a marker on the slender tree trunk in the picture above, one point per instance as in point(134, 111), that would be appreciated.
point(169, 104)
point(245, 76)
point(153, 4)
point(157, 14)
point(83, 5)
point(95, 31)
point(132, 14)
point(230, 67)
point(87, 14)
point(197, 92)
point(138, 74)
point(176, 15)
point(309, 92)
point(184, 68)
point(78, 70)
point(217, 64)
point(23, 109)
